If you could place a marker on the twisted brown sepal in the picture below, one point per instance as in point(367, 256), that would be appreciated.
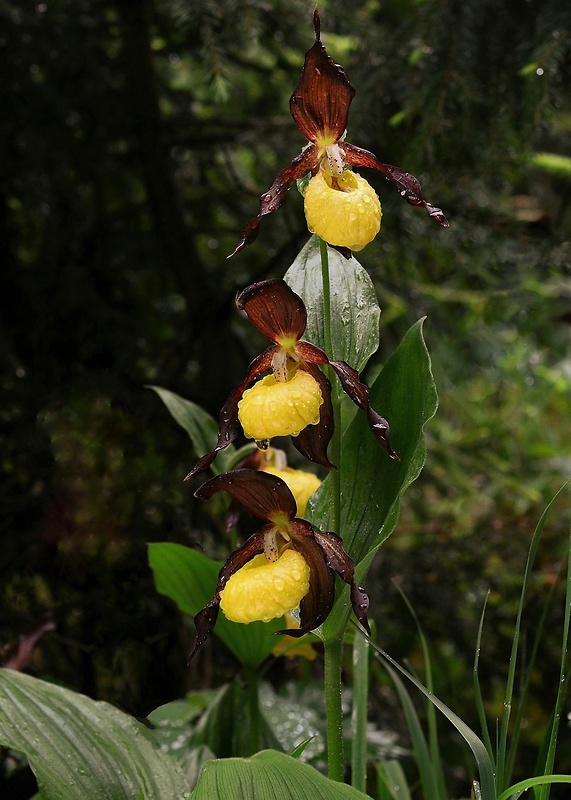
point(338, 560)
point(359, 394)
point(306, 161)
point(274, 309)
point(228, 424)
point(406, 184)
point(205, 620)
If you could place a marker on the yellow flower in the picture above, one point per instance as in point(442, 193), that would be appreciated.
point(320, 107)
point(294, 648)
point(286, 564)
point(300, 483)
point(344, 211)
point(280, 408)
point(264, 590)
point(295, 400)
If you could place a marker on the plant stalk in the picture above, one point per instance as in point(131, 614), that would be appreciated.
point(335, 445)
point(359, 712)
point(333, 709)
point(333, 645)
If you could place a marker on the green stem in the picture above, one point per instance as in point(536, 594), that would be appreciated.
point(359, 712)
point(335, 445)
point(333, 645)
point(253, 705)
point(333, 710)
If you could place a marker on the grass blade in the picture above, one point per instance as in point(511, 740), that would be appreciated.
point(501, 772)
point(539, 780)
point(420, 746)
point(392, 781)
point(562, 690)
point(485, 768)
point(477, 690)
point(436, 761)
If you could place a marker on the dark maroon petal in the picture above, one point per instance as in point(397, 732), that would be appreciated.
point(359, 394)
point(204, 623)
point(338, 560)
point(344, 251)
point(317, 603)
point(263, 494)
point(405, 183)
point(311, 354)
point(253, 546)
point(274, 309)
point(228, 425)
point(314, 440)
point(205, 620)
point(271, 200)
point(320, 102)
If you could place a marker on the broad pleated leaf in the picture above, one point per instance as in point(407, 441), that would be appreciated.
point(234, 724)
point(201, 428)
point(355, 311)
point(268, 775)
point(80, 749)
point(371, 483)
point(189, 578)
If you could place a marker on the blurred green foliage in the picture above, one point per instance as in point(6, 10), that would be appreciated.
point(136, 139)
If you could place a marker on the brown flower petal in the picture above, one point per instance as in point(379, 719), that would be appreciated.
point(205, 620)
point(262, 494)
point(271, 200)
point(229, 426)
point(313, 441)
point(406, 184)
point(359, 394)
point(317, 603)
point(274, 309)
point(338, 560)
point(320, 102)
point(311, 354)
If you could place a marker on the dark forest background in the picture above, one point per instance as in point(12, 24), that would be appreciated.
point(136, 137)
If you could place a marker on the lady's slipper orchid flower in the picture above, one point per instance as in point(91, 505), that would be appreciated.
point(301, 484)
point(320, 108)
point(295, 400)
point(285, 564)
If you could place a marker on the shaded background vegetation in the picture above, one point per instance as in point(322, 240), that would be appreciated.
point(137, 139)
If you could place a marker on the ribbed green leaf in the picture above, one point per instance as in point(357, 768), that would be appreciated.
point(80, 749)
point(355, 311)
point(268, 775)
point(371, 483)
point(233, 724)
point(201, 428)
point(189, 578)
